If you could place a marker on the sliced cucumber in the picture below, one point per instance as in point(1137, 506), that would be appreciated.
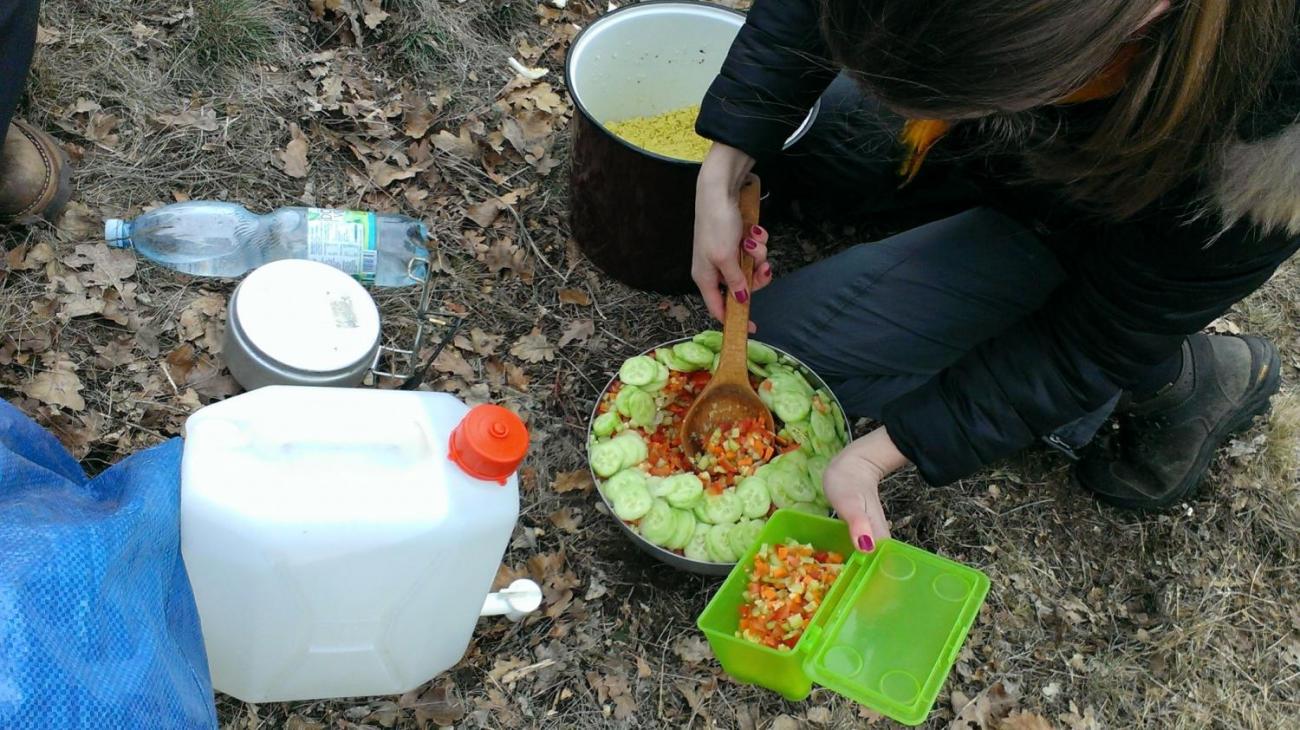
point(633, 446)
point(756, 369)
point(743, 535)
point(793, 460)
point(723, 509)
point(780, 497)
point(693, 354)
point(799, 432)
point(670, 360)
point(641, 408)
point(660, 380)
point(620, 400)
point(684, 530)
point(711, 339)
point(800, 487)
point(840, 428)
point(632, 502)
point(713, 366)
point(638, 370)
point(811, 508)
point(684, 490)
point(606, 424)
point(719, 544)
point(697, 548)
point(655, 485)
point(623, 481)
point(700, 513)
point(659, 523)
point(760, 353)
point(606, 458)
point(816, 467)
point(823, 428)
point(790, 407)
point(755, 499)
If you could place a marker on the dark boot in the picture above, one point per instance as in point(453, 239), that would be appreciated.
point(35, 177)
point(1164, 445)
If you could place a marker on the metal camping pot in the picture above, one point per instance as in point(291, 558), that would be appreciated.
point(681, 562)
point(300, 322)
point(633, 211)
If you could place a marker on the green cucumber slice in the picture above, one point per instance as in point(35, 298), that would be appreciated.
point(631, 502)
point(823, 428)
point(666, 356)
point(811, 508)
point(713, 366)
point(799, 432)
point(791, 481)
point(755, 500)
point(638, 370)
point(838, 415)
point(719, 545)
point(659, 523)
point(620, 400)
point(743, 535)
point(790, 407)
point(780, 497)
point(684, 530)
point(684, 490)
point(816, 467)
point(659, 486)
point(623, 481)
point(693, 354)
point(633, 446)
point(760, 353)
point(661, 379)
point(711, 339)
point(723, 509)
point(701, 515)
point(697, 548)
point(606, 458)
point(756, 369)
point(641, 408)
point(606, 424)
point(793, 460)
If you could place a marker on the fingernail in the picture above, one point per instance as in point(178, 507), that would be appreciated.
point(750, 244)
point(742, 296)
point(756, 231)
point(866, 544)
point(765, 269)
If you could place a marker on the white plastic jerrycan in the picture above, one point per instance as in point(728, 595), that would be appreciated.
point(342, 542)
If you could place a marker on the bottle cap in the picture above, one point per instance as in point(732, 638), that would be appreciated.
point(117, 233)
point(489, 443)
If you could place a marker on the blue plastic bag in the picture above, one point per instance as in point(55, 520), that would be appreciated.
point(98, 627)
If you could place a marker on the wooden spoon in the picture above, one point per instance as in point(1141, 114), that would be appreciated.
point(729, 397)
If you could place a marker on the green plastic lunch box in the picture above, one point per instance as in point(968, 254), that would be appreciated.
point(886, 636)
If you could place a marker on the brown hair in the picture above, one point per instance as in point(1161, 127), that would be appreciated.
point(1200, 66)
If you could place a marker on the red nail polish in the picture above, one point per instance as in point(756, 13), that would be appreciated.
point(742, 296)
point(766, 270)
point(756, 231)
point(750, 244)
point(866, 544)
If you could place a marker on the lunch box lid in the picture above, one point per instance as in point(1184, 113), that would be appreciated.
point(307, 316)
point(888, 632)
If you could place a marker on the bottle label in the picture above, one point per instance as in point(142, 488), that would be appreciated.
point(344, 239)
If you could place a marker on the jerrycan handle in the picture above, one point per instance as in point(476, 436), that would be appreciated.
point(518, 600)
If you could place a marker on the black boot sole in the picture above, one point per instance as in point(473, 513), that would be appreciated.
point(1259, 404)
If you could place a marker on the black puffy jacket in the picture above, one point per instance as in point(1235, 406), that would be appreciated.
point(1135, 290)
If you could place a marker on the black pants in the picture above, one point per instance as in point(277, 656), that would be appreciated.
point(17, 40)
point(881, 319)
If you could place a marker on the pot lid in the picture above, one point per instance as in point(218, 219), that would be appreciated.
point(306, 315)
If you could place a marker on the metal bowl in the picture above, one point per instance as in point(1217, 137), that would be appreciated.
point(682, 562)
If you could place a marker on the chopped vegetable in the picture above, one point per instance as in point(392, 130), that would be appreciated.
point(787, 584)
point(713, 507)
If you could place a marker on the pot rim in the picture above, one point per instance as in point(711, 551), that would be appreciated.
point(798, 134)
point(663, 555)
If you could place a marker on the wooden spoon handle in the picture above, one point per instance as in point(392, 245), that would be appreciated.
point(735, 325)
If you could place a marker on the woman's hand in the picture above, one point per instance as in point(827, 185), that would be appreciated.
point(852, 484)
point(718, 230)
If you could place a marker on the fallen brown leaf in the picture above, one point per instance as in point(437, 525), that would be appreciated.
point(575, 296)
point(1018, 720)
point(533, 347)
point(986, 710)
point(58, 386)
point(573, 481)
point(693, 650)
point(578, 331)
point(566, 518)
point(294, 155)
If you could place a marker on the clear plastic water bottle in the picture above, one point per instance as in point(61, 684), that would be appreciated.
point(212, 238)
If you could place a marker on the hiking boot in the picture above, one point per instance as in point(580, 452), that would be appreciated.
point(35, 176)
point(1164, 444)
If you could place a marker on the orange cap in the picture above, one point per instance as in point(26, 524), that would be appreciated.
point(489, 443)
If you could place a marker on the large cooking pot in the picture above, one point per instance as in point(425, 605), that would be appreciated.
point(633, 211)
point(682, 562)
